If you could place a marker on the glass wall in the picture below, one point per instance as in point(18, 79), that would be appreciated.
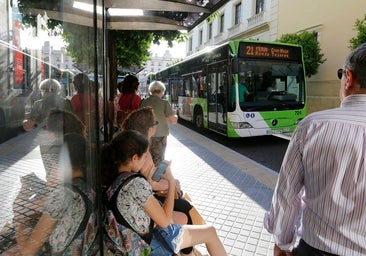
point(51, 102)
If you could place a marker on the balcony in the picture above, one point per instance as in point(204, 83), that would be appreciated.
point(256, 20)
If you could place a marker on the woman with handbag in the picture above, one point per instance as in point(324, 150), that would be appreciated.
point(128, 152)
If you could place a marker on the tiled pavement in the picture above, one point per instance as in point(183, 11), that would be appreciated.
point(230, 191)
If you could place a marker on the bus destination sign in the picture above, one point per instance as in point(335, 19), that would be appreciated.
point(268, 51)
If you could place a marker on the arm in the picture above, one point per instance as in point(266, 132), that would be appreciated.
point(170, 113)
point(286, 202)
point(31, 244)
point(162, 215)
point(148, 170)
point(34, 116)
point(173, 119)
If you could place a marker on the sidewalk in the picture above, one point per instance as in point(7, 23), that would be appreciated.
point(231, 191)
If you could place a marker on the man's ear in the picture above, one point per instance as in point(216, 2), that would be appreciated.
point(350, 79)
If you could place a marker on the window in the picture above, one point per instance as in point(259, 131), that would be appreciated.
point(222, 23)
point(209, 31)
point(237, 14)
point(259, 7)
point(190, 44)
point(200, 37)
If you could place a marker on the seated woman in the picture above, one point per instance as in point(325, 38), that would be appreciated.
point(127, 153)
point(143, 121)
point(64, 210)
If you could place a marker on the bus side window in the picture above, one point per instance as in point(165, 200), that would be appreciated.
point(187, 88)
point(181, 87)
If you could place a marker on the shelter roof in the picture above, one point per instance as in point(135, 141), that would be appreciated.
point(156, 14)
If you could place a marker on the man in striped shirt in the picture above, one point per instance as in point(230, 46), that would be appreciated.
point(322, 181)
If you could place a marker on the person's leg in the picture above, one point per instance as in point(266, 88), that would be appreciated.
point(156, 149)
point(179, 218)
point(164, 142)
point(198, 234)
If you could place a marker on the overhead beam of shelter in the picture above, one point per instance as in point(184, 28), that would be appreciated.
point(157, 14)
point(69, 15)
point(143, 23)
point(156, 5)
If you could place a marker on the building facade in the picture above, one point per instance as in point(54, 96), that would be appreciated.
point(268, 20)
point(153, 65)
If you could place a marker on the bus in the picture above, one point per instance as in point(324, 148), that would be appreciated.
point(242, 88)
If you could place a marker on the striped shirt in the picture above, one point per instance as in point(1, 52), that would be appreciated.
point(324, 174)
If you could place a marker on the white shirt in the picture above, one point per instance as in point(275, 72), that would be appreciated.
point(324, 174)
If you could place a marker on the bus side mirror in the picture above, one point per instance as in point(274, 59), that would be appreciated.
point(235, 66)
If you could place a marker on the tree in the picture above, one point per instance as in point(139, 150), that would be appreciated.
point(311, 50)
point(360, 27)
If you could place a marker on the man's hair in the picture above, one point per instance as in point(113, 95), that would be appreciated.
point(356, 62)
point(50, 85)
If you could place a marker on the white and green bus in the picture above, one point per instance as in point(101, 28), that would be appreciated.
point(242, 88)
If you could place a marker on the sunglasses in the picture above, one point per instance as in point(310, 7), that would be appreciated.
point(155, 123)
point(340, 73)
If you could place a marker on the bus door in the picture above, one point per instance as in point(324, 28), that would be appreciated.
point(217, 96)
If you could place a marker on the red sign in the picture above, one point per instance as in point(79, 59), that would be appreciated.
point(18, 58)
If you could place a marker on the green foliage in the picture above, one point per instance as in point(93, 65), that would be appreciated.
point(360, 27)
point(30, 19)
point(80, 44)
point(168, 35)
point(311, 50)
point(133, 46)
point(212, 17)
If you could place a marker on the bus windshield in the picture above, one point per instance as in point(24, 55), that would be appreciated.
point(265, 85)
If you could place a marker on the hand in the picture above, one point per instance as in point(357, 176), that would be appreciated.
point(177, 186)
point(28, 125)
point(277, 251)
point(168, 174)
point(149, 168)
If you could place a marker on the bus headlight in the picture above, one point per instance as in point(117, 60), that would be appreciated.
point(241, 125)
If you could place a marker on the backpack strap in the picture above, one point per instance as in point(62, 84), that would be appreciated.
point(112, 205)
point(88, 211)
point(84, 222)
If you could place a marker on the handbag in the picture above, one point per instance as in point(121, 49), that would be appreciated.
point(120, 240)
point(195, 215)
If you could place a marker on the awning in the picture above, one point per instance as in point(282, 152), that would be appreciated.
point(157, 14)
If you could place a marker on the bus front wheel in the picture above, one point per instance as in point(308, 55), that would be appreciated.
point(198, 118)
